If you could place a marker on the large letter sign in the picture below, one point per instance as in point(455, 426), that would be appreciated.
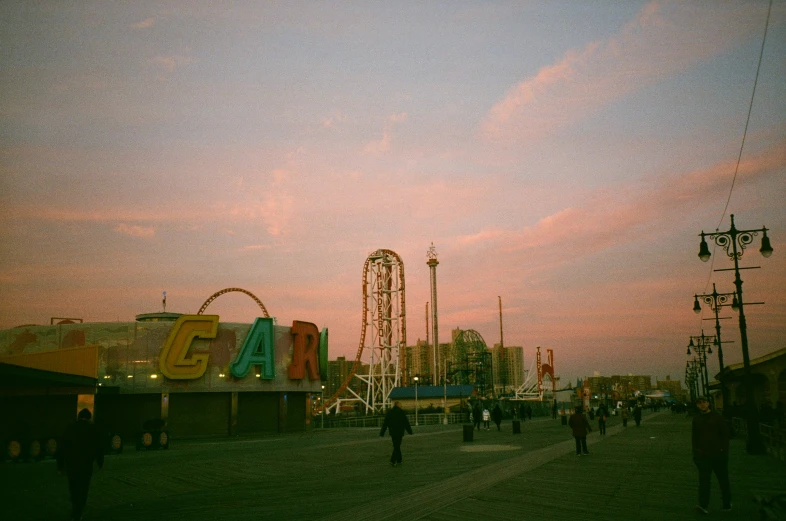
point(172, 361)
point(305, 351)
point(257, 349)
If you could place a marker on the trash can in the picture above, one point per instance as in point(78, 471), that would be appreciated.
point(564, 420)
point(516, 427)
point(469, 431)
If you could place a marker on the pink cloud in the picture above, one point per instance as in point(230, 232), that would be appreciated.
point(135, 231)
point(379, 146)
point(609, 217)
point(172, 61)
point(144, 24)
point(383, 144)
point(663, 40)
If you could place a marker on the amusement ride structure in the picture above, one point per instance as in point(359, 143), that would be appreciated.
point(384, 312)
point(384, 316)
point(217, 294)
point(533, 389)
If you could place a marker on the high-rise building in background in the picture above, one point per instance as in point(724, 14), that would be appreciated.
point(507, 368)
point(417, 360)
point(338, 371)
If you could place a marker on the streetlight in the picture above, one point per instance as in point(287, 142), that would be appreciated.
point(689, 380)
point(416, 401)
point(738, 240)
point(692, 378)
point(716, 301)
point(703, 346)
point(322, 403)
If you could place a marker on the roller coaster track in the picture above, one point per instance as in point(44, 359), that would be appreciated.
point(380, 284)
point(217, 294)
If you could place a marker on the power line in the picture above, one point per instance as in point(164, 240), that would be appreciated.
point(750, 109)
point(742, 145)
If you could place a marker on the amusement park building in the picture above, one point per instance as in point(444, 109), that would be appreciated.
point(199, 375)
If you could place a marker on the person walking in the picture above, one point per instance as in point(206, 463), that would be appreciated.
point(476, 415)
point(710, 441)
point(602, 417)
point(79, 448)
point(554, 410)
point(637, 415)
point(624, 415)
point(397, 422)
point(486, 418)
point(580, 426)
point(496, 415)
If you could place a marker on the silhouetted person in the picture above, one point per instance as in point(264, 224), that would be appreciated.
point(625, 415)
point(397, 422)
point(476, 416)
point(554, 410)
point(602, 417)
point(637, 415)
point(79, 448)
point(496, 415)
point(710, 440)
point(580, 426)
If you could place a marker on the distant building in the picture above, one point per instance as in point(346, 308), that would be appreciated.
point(630, 384)
point(507, 368)
point(338, 371)
point(417, 360)
point(674, 387)
point(601, 389)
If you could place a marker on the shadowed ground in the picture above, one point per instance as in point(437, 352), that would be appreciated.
point(633, 473)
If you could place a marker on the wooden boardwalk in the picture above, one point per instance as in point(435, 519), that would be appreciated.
point(633, 473)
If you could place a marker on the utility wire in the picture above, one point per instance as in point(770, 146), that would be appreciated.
point(739, 156)
point(750, 109)
point(742, 146)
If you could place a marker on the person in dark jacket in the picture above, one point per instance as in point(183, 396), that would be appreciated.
point(581, 426)
point(603, 414)
point(476, 414)
point(79, 448)
point(637, 415)
point(397, 422)
point(710, 440)
point(496, 416)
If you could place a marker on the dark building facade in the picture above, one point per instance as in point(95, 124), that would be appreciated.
point(195, 374)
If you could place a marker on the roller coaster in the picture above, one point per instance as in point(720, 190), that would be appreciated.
point(384, 312)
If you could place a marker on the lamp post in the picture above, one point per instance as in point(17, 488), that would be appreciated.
point(716, 301)
point(736, 241)
point(702, 346)
point(689, 380)
point(416, 401)
point(692, 377)
point(322, 403)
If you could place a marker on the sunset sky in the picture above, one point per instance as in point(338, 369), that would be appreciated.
point(563, 156)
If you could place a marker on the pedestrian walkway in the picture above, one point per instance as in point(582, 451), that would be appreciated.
point(632, 473)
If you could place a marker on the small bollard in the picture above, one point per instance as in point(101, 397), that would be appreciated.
point(469, 431)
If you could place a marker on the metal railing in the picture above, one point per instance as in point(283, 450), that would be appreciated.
point(774, 438)
point(376, 421)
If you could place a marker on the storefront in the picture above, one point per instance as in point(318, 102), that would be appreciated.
point(193, 373)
